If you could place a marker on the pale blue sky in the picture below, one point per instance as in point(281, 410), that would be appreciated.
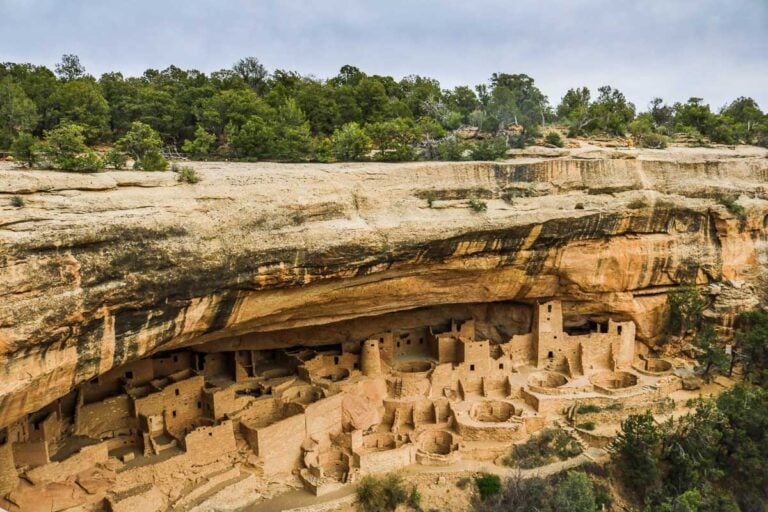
point(672, 48)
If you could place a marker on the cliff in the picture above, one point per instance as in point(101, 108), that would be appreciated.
point(98, 270)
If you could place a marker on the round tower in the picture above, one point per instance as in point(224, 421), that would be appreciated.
point(370, 359)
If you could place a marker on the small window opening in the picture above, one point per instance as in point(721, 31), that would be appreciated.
point(128, 375)
point(199, 405)
point(471, 367)
point(549, 308)
point(501, 366)
point(175, 359)
point(173, 413)
point(335, 360)
point(618, 329)
point(176, 391)
point(551, 355)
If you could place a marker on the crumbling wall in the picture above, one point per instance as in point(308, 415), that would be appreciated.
point(8, 477)
point(100, 419)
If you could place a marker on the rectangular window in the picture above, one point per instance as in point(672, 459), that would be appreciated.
point(471, 367)
point(129, 375)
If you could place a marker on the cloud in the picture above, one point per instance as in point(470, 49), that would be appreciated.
point(674, 49)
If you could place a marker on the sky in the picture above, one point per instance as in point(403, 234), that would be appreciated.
point(675, 49)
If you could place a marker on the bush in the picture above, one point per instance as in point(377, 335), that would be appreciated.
point(575, 494)
point(731, 204)
point(65, 149)
point(554, 139)
point(431, 197)
point(152, 161)
point(25, 149)
point(487, 485)
point(18, 201)
point(115, 159)
point(142, 142)
point(188, 175)
point(652, 141)
point(587, 425)
point(477, 205)
point(489, 149)
point(350, 143)
point(588, 408)
point(547, 446)
point(382, 494)
point(201, 146)
point(450, 148)
point(463, 482)
point(637, 204)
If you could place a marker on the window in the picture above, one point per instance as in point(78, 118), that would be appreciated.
point(501, 366)
point(471, 367)
point(408, 342)
point(550, 355)
point(199, 405)
point(173, 413)
point(549, 308)
point(129, 375)
point(421, 341)
point(210, 434)
point(175, 359)
point(381, 340)
point(618, 329)
point(176, 391)
point(398, 344)
point(335, 360)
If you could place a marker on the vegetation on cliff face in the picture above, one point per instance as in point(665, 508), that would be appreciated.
point(247, 113)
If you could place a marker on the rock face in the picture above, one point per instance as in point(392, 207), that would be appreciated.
point(99, 270)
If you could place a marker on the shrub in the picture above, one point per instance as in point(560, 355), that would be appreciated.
point(686, 306)
point(450, 148)
point(587, 425)
point(141, 142)
point(202, 145)
point(152, 161)
point(731, 204)
point(477, 205)
point(588, 408)
point(18, 201)
point(188, 175)
point(574, 493)
point(431, 197)
point(579, 206)
point(463, 482)
point(381, 494)
point(616, 406)
point(637, 204)
point(489, 149)
point(115, 159)
point(350, 143)
point(652, 141)
point(554, 139)
point(25, 149)
point(65, 149)
point(487, 485)
point(543, 448)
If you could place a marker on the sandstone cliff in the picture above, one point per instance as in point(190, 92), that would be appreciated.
point(98, 270)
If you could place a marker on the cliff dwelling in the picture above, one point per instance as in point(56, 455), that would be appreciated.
point(427, 394)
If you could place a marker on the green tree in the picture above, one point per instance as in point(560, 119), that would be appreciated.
point(635, 452)
point(17, 112)
point(293, 139)
point(745, 117)
point(710, 354)
point(202, 145)
point(611, 111)
point(65, 148)
point(752, 345)
point(394, 139)
point(575, 493)
point(25, 149)
point(252, 72)
point(516, 99)
point(69, 68)
point(254, 140)
point(115, 159)
point(574, 110)
point(80, 102)
point(350, 142)
point(686, 306)
point(143, 144)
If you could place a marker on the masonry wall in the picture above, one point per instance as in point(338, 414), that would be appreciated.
point(475, 355)
point(179, 402)
point(55, 471)
point(279, 444)
point(388, 460)
point(206, 444)
point(324, 416)
point(8, 477)
point(101, 419)
point(32, 453)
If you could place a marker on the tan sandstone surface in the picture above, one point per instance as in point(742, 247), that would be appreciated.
point(100, 270)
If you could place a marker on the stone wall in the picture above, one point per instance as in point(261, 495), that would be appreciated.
point(206, 444)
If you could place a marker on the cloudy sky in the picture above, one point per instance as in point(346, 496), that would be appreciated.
point(671, 48)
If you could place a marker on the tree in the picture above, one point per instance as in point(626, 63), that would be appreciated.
point(611, 111)
point(350, 142)
point(516, 99)
point(575, 493)
point(66, 149)
point(292, 134)
point(710, 354)
point(254, 139)
point(252, 72)
point(635, 452)
point(574, 110)
point(202, 145)
point(746, 117)
point(394, 139)
point(17, 112)
point(685, 308)
point(25, 149)
point(142, 143)
point(70, 68)
point(80, 102)
point(752, 345)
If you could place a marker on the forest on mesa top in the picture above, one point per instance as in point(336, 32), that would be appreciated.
point(245, 112)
